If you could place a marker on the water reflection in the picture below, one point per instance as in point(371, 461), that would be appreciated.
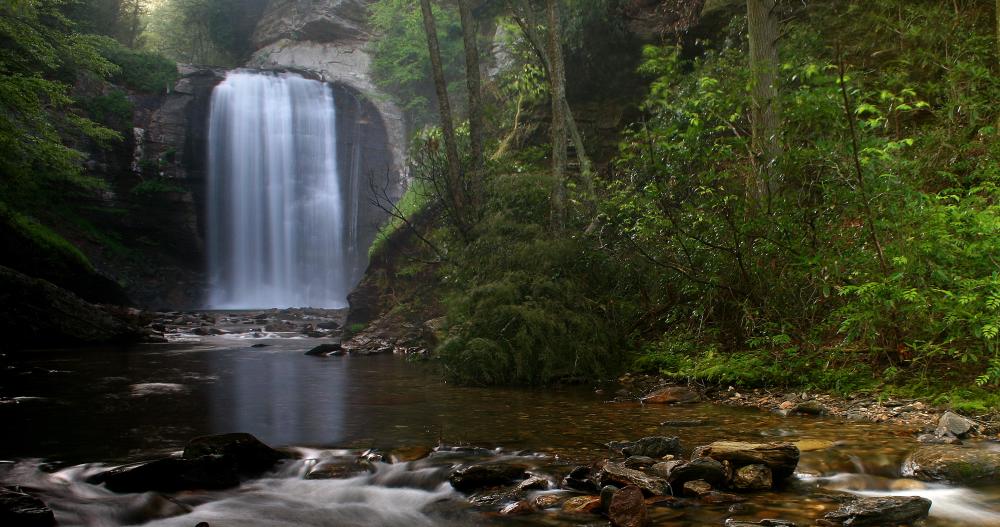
point(280, 396)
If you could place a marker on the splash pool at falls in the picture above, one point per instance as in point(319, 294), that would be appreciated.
point(78, 413)
point(278, 223)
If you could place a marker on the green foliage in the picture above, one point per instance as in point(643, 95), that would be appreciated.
point(401, 64)
point(418, 196)
point(684, 359)
point(112, 109)
point(42, 56)
point(59, 252)
point(142, 71)
point(530, 306)
point(733, 273)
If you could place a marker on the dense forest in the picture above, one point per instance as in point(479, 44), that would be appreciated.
point(736, 193)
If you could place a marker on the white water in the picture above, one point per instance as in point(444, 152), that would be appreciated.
point(276, 232)
point(394, 496)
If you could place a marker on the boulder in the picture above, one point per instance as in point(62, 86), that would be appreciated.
point(534, 483)
point(697, 488)
point(619, 475)
point(954, 424)
point(581, 479)
point(753, 477)
point(244, 452)
point(18, 508)
point(325, 350)
point(169, 475)
point(209, 462)
point(811, 407)
point(679, 472)
point(653, 447)
point(954, 464)
point(607, 492)
point(485, 475)
point(781, 458)
point(627, 508)
point(672, 395)
point(879, 511)
point(35, 313)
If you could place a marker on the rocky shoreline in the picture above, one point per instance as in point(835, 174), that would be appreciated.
point(638, 483)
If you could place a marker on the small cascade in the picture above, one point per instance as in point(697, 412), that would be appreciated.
point(277, 231)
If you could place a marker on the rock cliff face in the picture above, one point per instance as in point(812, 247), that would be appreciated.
point(170, 141)
point(328, 38)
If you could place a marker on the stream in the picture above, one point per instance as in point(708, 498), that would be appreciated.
point(72, 414)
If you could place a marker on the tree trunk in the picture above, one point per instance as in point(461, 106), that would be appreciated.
point(586, 167)
point(473, 81)
point(455, 189)
point(762, 22)
point(557, 79)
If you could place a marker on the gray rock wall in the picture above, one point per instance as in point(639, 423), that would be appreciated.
point(329, 38)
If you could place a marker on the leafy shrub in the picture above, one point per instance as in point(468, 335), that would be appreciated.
point(143, 71)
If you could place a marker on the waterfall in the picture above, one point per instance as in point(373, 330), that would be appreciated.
point(276, 216)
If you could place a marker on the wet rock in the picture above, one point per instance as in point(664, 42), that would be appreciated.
point(955, 464)
point(582, 479)
point(546, 501)
point(954, 424)
point(340, 469)
point(244, 452)
point(663, 468)
point(653, 446)
point(812, 407)
point(763, 523)
point(705, 468)
point(696, 488)
point(326, 350)
point(672, 395)
point(753, 477)
point(627, 508)
point(169, 475)
point(781, 458)
point(639, 462)
point(582, 504)
point(879, 511)
point(607, 493)
point(374, 455)
point(517, 508)
point(18, 508)
point(209, 462)
point(935, 439)
point(476, 477)
point(619, 475)
point(534, 483)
